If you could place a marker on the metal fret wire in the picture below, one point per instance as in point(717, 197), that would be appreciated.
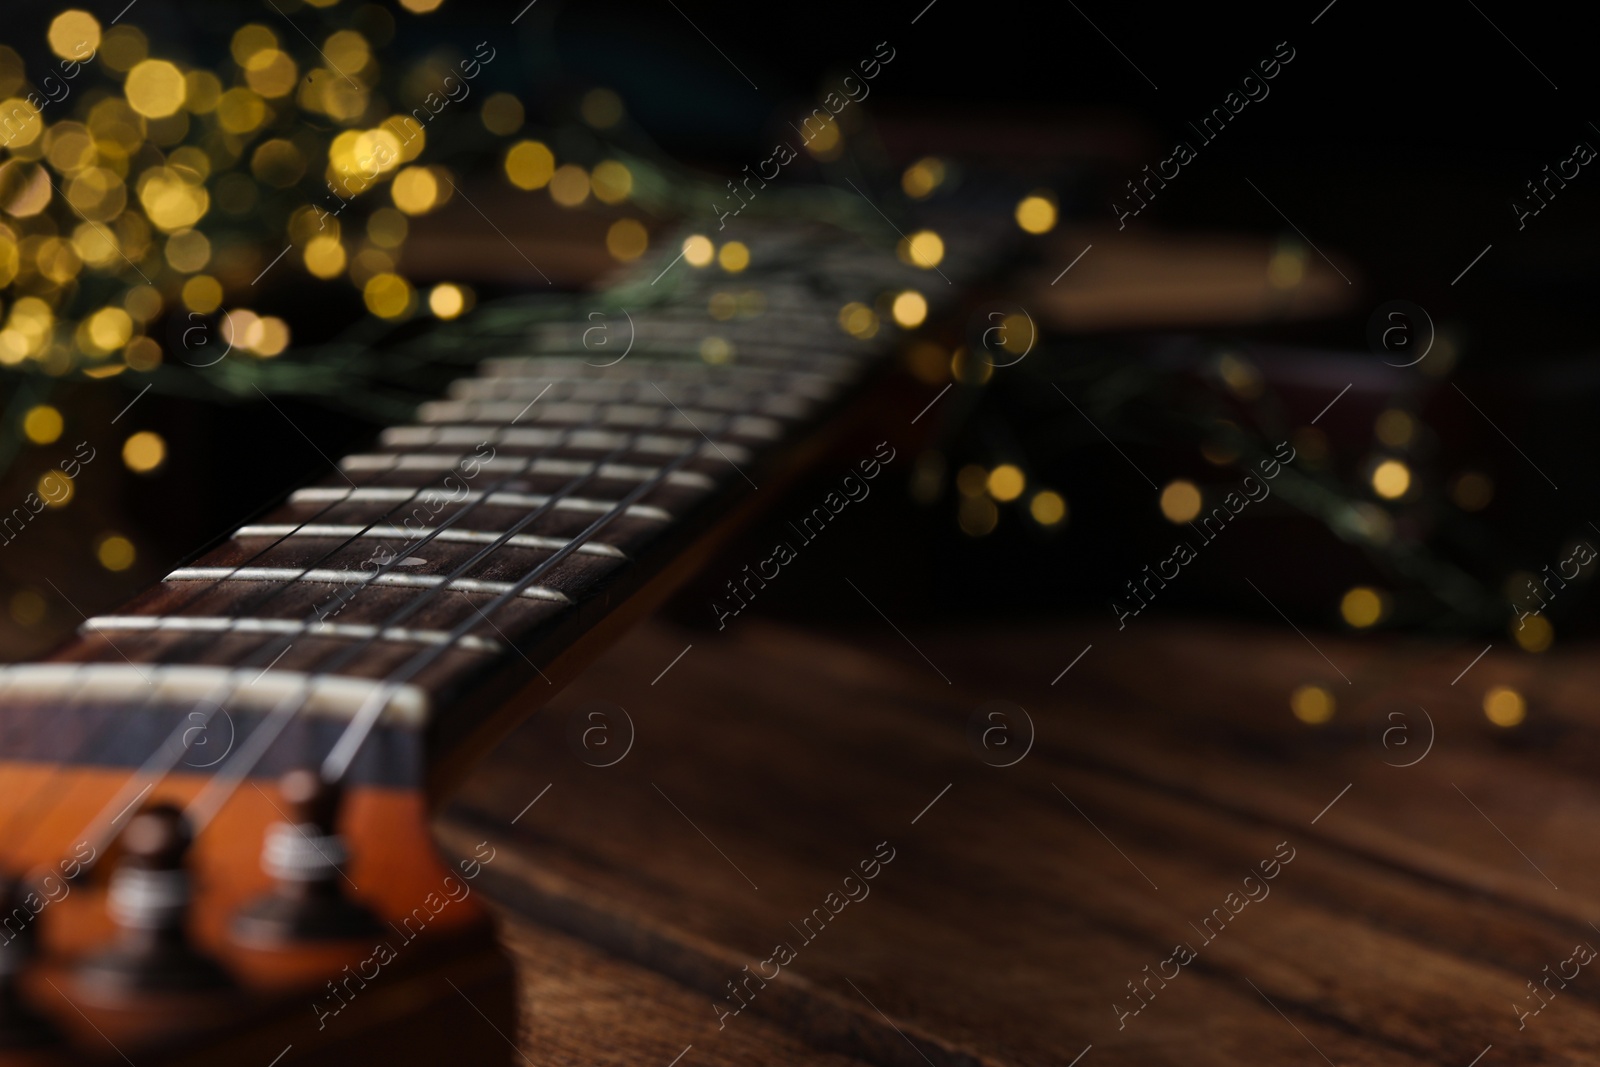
point(230, 776)
point(165, 758)
point(344, 751)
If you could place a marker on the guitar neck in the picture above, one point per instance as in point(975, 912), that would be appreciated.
point(397, 606)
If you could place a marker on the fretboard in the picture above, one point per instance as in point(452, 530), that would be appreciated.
point(457, 559)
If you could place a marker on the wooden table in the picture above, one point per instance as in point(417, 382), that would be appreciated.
point(1022, 901)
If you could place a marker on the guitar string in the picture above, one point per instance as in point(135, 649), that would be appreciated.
point(783, 370)
point(230, 777)
point(164, 759)
point(342, 756)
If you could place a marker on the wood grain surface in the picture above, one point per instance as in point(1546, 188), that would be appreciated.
point(1022, 901)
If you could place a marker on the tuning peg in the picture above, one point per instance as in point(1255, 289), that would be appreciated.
point(149, 900)
point(305, 857)
point(20, 1026)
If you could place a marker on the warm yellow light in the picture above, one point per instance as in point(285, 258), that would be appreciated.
point(142, 354)
point(627, 240)
point(446, 300)
point(144, 451)
point(274, 337)
point(723, 305)
point(250, 39)
point(601, 108)
point(74, 34)
point(1391, 479)
point(23, 127)
point(858, 320)
point(530, 165)
point(611, 181)
point(271, 73)
point(55, 489)
point(1180, 501)
point(1504, 706)
point(734, 257)
point(42, 424)
point(348, 51)
point(415, 190)
point(923, 249)
point(115, 552)
point(240, 111)
point(910, 309)
point(569, 185)
point(171, 200)
point(698, 250)
point(1037, 213)
point(122, 46)
point(1047, 507)
point(109, 328)
point(1312, 704)
point(502, 114)
point(325, 257)
point(824, 141)
point(1361, 607)
point(1006, 482)
point(202, 293)
point(922, 178)
point(387, 295)
point(155, 88)
point(387, 228)
point(420, 7)
point(188, 251)
point(1533, 633)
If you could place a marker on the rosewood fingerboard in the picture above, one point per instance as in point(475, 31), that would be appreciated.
point(432, 577)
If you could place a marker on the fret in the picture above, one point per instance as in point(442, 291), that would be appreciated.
point(706, 398)
point(220, 624)
point(755, 427)
point(525, 501)
point(476, 537)
point(833, 370)
point(458, 434)
point(566, 468)
point(331, 695)
point(357, 577)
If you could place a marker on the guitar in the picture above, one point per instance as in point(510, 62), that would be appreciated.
point(215, 825)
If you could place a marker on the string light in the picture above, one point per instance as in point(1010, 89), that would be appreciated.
point(734, 257)
point(698, 250)
point(1180, 501)
point(910, 309)
point(1504, 706)
point(1362, 606)
point(1312, 704)
point(627, 240)
point(42, 424)
point(144, 451)
point(1036, 213)
point(115, 552)
point(446, 301)
point(1006, 482)
point(1047, 507)
point(1391, 479)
